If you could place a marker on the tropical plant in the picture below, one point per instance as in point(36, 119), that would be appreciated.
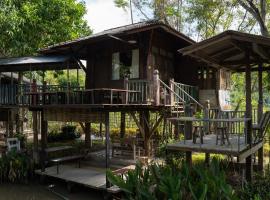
point(15, 167)
point(175, 182)
point(258, 189)
point(68, 133)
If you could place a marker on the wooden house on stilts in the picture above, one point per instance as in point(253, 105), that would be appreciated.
point(137, 70)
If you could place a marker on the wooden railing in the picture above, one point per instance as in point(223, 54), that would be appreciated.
point(8, 94)
point(235, 127)
point(144, 88)
point(187, 93)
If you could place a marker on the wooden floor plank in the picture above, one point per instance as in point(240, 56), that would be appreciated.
point(209, 145)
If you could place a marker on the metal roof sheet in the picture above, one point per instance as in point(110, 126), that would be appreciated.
point(42, 62)
point(33, 60)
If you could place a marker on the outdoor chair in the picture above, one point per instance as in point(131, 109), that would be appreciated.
point(260, 128)
point(13, 144)
point(198, 131)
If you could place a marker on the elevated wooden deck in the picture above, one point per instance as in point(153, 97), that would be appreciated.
point(238, 147)
point(91, 177)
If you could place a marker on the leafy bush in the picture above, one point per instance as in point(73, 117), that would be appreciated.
point(22, 138)
point(15, 167)
point(175, 182)
point(129, 132)
point(68, 133)
point(258, 189)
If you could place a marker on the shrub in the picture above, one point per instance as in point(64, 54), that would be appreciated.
point(175, 182)
point(68, 133)
point(22, 138)
point(15, 167)
point(258, 189)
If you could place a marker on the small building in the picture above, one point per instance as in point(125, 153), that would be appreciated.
point(134, 69)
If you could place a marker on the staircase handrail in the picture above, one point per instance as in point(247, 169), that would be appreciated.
point(189, 96)
point(166, 86)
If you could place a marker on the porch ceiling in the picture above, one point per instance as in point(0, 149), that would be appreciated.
point(231, 49)
point(35, 63)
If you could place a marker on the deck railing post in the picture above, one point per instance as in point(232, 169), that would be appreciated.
point(126, 88)
point(156, 87)
point(206, 115)
point(171, 93)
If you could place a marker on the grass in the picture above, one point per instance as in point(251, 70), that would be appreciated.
point(200, 157)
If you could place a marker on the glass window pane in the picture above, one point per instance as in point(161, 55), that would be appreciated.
point(115, 66)
point(134, 70)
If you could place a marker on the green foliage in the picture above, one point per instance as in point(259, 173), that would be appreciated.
point(15, 167)
point(22, 138)
point(28, 25)
point(121, 3)
point(175, 182)
point(68, 133)
point(258, 189)
point(129, 132)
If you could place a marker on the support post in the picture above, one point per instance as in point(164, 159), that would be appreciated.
point(259, 115)
point(156, 86)
point(171, 93)
point(87, 129)
point(126, 88)
point(44, 130)
point(144, 122)
point(249, 123)
point(35, 121)
point(206, 116)
point(123, 125)
point(10, 123)
point(35, 136)
point(107, 142)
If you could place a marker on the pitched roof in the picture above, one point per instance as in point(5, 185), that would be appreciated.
point(136, 27)
point(37, 63)
point(230, 49)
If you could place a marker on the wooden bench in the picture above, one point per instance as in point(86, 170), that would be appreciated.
point(58, 161)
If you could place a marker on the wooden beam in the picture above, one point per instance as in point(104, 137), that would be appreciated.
point(152, 130)
point(228, 55)
point(248, 115)
point(121, 40)
point(87, 132)
point(260, 51)
point(210, 62)
point(220, 52)
point(199, 46)
point(260, 114)
point(83, 127)
point(107, 144)
point(249, 152)
point(255, 69)
point(132, 114)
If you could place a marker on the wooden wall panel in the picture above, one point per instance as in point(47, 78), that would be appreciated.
point(73, 115)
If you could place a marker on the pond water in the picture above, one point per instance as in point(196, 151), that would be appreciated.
point(26, 192)
point(35, 191)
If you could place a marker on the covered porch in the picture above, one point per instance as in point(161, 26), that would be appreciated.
point(238, 53)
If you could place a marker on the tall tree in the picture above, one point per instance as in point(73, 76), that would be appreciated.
point(27, 25)
point(259, 9)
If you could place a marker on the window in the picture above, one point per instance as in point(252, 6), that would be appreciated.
point(125, 64)
point(115, 66)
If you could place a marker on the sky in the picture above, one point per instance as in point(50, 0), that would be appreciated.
point(103, 14)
